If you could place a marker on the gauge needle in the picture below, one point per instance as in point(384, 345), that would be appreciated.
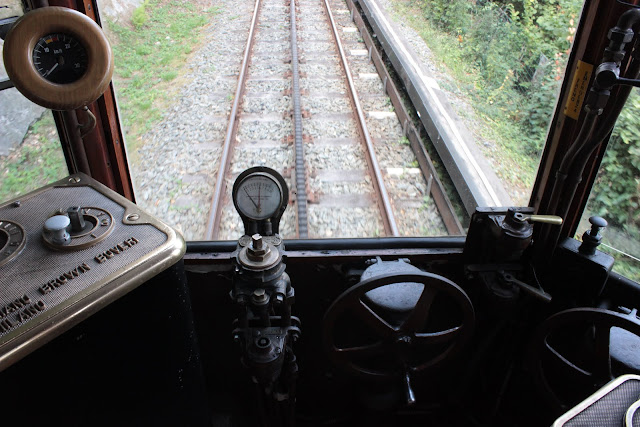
point(259, 188)
point(252, 201)
point(52, 68)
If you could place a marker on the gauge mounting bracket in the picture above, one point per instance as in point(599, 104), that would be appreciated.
point(276, 199)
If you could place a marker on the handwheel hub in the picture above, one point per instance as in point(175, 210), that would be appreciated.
point(404, 339)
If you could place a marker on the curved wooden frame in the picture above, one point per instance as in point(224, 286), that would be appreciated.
point(18, 58)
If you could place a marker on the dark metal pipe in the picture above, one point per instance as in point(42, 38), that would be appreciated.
point(581, 157)
point(76, 143)
point(569, 174)
point(628, 19)
point(6, 84)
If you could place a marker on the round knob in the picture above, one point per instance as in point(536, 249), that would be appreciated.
point(591, 238)
point(56, 227)
point(597, 223)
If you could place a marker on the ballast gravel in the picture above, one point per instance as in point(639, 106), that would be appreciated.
point(175, 164)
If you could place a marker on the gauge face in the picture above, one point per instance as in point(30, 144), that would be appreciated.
point(60, 58)
point(259, 196)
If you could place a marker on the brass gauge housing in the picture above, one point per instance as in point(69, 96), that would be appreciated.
point(58, 58)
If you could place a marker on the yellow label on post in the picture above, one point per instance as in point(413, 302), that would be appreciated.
point(578, 90)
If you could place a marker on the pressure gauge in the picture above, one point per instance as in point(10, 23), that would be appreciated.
point(260, 196)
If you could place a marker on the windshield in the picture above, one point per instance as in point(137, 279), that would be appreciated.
point(490, 73)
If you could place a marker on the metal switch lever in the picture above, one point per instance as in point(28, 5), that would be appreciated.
point(77, 219)
point(544, 219)
point(538, 293)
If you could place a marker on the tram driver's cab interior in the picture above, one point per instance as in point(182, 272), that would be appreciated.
point(108, 317)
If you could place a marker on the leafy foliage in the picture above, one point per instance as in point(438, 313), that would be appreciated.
point(517, 51)
point(616, 194)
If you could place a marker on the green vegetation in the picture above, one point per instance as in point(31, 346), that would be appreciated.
point(149, 55)
point(616, 193)
point(507, 60)
point(140, 16)
point(37, 162)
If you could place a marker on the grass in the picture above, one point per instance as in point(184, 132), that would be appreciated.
point(618, 243)
point(37, 162)
point(624, 266)
point(502, 136)
point(148, 57)
point(148, 54)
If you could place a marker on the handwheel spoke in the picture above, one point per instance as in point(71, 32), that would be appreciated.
point(418, 317)
point(437, 337)
point(602, 368)
point(565, 362)
point(371, 318)
point(361, 352)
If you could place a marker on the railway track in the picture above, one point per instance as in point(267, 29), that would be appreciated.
point(310, 103)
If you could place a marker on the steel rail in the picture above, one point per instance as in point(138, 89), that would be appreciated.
point(300, 171)
point(385, 205)
point(436, 189)
point(215, 212)
point(475, 181)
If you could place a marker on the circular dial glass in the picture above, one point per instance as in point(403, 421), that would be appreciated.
point(259, 196)
point(60, 58)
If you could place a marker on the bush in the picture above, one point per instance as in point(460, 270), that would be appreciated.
point(139, 16)
point(517, 52)
point(616, 194)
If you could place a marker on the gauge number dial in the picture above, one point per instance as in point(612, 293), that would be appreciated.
point(259, 196)
point(60, 58)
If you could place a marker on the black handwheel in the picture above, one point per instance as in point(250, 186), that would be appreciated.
point(392, 350)
point(570, 354)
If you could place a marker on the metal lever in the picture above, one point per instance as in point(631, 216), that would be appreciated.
point(538, 293)
point(409, 394)
point(544, 219)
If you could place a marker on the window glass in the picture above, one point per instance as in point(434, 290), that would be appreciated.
point(500, 65)
point(495, 67)
point(616, 193)
point(171, 156)
point(30, 153)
